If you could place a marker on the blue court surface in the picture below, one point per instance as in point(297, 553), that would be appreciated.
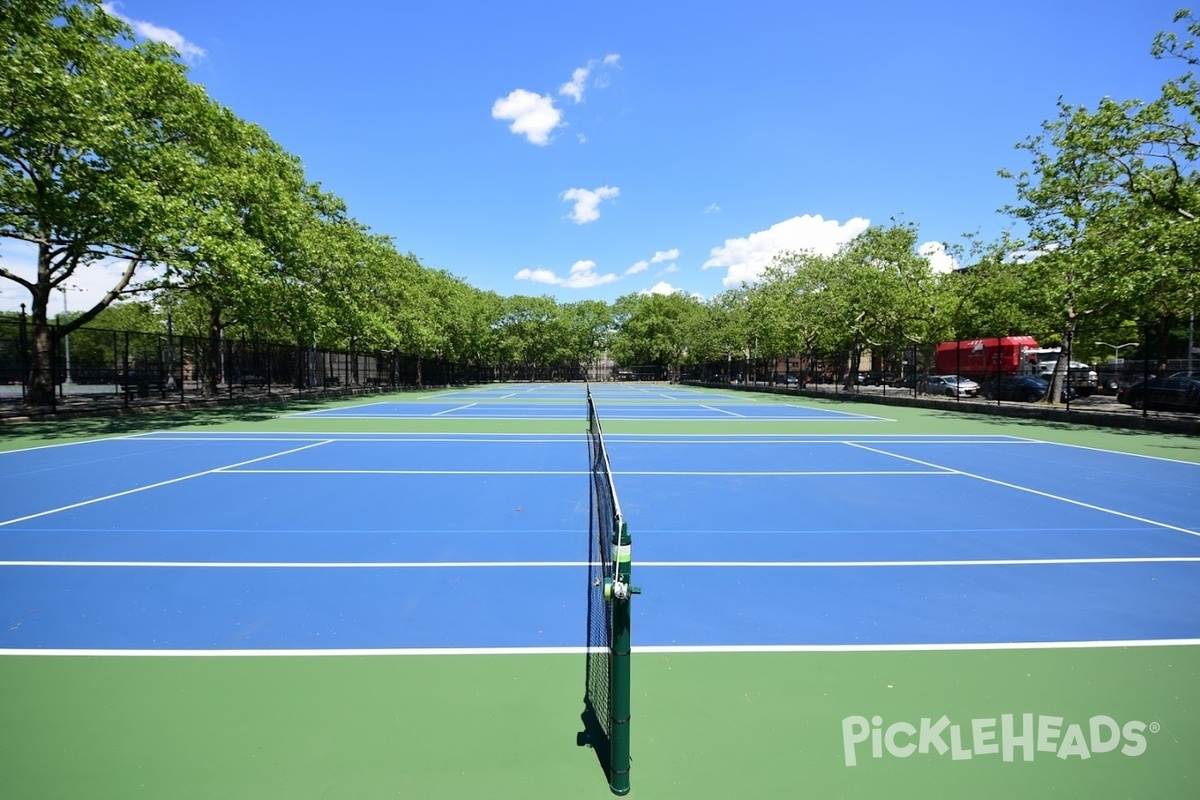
point(334, 541)
point(559, 403)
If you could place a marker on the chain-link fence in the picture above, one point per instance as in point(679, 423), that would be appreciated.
point(129, 365)
point(1085, 364)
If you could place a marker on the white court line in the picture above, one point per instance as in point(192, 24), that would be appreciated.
point(580, 650)
point(998, 562)
point(722, 411)
point(345, 436)
point(643, 473)
point(127, 436)
point(1038, 492)
point(376, 439)
point(301, 564)
point(452, 410)
point(155, 485)
point(231, 471)
point(1113, 452)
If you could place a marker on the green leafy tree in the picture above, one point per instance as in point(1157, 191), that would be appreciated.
point(654, 329)
point(98, 137)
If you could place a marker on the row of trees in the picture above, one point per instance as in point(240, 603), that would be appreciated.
point(109, 153)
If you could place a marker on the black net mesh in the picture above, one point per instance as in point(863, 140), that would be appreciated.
point(605, 513)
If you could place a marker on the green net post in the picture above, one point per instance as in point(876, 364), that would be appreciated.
point(621, 650)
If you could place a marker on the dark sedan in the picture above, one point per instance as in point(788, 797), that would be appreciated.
point(1175, 393)
point(1025, 388)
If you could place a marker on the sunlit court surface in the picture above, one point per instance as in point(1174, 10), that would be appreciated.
point(388, 597)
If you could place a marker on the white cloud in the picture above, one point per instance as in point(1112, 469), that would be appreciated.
point(662, 287)
point(665, 255)
point(668, 269)
point(533, 115)
point(747, 257)
point(157, 33)
point(537, 276)
point(640, 266)
point(581, 275)
point(577, 86)
point(587, 202)
point(574, 87)
point(713, 208)
point(939, 260)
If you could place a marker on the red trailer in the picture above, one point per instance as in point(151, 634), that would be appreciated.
point(984, 358)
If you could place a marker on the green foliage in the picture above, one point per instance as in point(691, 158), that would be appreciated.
point(655, 328)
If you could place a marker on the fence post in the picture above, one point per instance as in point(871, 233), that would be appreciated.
point(125, 372)
point(23, 345)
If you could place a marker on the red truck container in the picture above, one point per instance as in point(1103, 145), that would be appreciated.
point(984, 358)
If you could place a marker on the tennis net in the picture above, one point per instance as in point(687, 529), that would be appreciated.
point(608, 690)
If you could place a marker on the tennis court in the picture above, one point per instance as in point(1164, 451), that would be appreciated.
point(390, 598)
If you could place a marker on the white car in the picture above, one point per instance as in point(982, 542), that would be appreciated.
point(952, 386)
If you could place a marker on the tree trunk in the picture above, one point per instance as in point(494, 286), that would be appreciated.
point(40, 388)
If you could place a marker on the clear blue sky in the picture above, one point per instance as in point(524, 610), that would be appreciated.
point(701, 133)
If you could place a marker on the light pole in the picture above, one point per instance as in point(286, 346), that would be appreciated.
point(170, 347)
point(1117, 348)
point(67, 337)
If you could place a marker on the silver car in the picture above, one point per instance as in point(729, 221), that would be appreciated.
point(952, 386)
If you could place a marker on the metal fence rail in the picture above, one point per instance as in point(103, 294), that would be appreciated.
point(101, 363)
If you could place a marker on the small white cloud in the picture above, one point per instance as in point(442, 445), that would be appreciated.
point(665, 255)
point(537, 276)
point(640, 266)
point(939, 260)
point(574, 87)
point(662, 287)
point(747, 257)
point(533, 115)
point(668, 269)
point(581, 137)
point(577, 86)
point(581, 275)
point(157, 33)
point(713, 208)
point(587, 202)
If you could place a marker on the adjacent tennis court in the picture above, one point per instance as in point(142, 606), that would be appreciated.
point(391, 598)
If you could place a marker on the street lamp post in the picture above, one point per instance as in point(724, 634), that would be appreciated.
point(67, 337)
point(1117, 348)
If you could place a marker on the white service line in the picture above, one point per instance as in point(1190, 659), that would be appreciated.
point(452, 410)
point(581, 650)
point(722, 411)
point(158, 484)
point(1038, 492)
point(231, 471)
point(997, 562)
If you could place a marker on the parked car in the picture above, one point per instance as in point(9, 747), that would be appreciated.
point(1025, 388)
point(790, 381)
point(1081, 376)
point(1166, 394)
point(951, 386)
point(874, 377)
